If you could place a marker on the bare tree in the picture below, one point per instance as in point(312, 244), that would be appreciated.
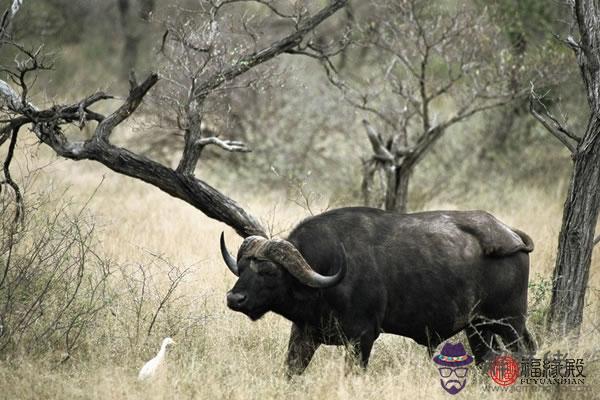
point(48, 124)
point(580, 213)
point(427, 57)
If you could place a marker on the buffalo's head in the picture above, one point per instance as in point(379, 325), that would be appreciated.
point(265, 268)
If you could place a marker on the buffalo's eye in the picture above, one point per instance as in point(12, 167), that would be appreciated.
point(267, 272)
point(266, 268)
point(241, 268)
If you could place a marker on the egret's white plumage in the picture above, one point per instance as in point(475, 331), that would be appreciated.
point(149, 369)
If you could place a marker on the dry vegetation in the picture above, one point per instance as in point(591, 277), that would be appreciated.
point(149, 264)
point(222, 354)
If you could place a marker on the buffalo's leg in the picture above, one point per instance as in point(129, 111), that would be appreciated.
point(360, 350)
point(352, 355)
point(529, 342)
point(483, 342)
point(366, 345)
point(301, 348)
point(432, 342)
point(515, 336)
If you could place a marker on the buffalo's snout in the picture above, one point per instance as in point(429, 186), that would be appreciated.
point(236, 300)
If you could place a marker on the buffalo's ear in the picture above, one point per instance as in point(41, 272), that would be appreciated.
point(228, 258)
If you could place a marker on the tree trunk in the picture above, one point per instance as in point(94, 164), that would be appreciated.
point(369, 169)
point(576, 240)
point(510, 113)
point(132, 32)
point(396, 197)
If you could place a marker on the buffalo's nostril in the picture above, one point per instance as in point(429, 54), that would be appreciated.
point(235, 300)
point(240, 298)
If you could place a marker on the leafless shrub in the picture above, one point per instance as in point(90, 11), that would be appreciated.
point(52, 283)
point(57, 293)
point(300, 192)
point(143, 296)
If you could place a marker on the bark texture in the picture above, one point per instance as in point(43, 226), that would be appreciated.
point(576, 239)
point(580, 213)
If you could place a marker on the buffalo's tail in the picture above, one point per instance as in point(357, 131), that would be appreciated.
point(526, 240)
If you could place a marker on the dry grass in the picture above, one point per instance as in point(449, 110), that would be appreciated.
point(228, 356)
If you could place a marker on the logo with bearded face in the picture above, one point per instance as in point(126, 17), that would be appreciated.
point(453, 363)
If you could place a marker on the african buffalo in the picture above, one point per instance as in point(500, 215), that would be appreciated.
point(347, 275)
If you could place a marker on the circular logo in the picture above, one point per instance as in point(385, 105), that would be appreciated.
point(504, 370)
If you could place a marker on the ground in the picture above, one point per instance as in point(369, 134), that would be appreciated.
point(222, 354)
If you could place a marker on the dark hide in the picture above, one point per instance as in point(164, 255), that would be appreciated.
point(426, 276)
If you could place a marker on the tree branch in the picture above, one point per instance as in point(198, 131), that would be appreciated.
point(265, 3)
point(228, 145)
point(467, 113)
point(185, 187)
point(267, 53)
point(8, 179)
point(551, 124)
point(9, 97)
point(136, 94)
point(362, 103)
point(379, 150)
point(181, 183)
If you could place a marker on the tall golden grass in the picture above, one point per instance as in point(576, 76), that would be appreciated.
point(226, 355)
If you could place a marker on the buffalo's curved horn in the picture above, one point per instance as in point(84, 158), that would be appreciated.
point(228, 258)
point(285, 254)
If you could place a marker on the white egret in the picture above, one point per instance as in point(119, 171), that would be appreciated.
point(149, 369)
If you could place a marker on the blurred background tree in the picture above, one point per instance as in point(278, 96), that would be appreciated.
point(294, 120)
point(528, 28)
point(299, 125)
point(425, 74)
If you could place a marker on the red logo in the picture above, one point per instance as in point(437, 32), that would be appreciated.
point(504, 370)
